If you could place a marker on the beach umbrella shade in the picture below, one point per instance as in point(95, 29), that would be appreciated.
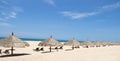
point(72, 43)
point(104, 44)
point(87, 43)
point(50, 42)
point(13, 41)
point(97, 44)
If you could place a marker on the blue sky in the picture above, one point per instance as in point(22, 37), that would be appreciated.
point(64, 19)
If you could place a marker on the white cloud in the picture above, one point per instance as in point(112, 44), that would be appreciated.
point(74, 15)
point(115, 5)
point(8, 10)
point(3, 2)
point(77, 15)
point(13, 14)
point(51, 2)
point(5, 16)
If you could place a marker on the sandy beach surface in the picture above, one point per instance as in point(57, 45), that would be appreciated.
point(111, 53)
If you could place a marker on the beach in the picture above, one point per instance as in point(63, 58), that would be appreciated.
point(108, 53)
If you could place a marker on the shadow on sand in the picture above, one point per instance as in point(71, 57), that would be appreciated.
point(21, 54)
point(47, 52)
point(68, 49)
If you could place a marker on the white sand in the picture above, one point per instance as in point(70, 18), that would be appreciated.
point(81, 54)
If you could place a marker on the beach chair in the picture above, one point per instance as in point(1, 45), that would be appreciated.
point(41, 49)
point(37, 49)
point(56, 47)
point(61, 47)
point(0, 51)
point(6, 52)
point(87, 46)
point(77, 47)
point(73, 47)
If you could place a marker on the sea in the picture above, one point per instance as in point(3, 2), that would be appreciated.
point(36, 39)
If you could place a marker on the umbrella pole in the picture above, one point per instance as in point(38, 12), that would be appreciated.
point(12, 50)
point(73, 47)
point(50, 48)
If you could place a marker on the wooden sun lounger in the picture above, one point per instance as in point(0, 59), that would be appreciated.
point(6, 52)
point(37, 49)
point(0, 51)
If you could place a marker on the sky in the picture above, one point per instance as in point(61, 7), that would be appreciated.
point(63, 19)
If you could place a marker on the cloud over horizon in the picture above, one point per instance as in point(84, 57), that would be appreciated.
point(51, 2)
point(79, 15)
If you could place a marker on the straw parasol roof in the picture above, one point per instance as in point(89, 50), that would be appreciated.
point(87, 43)
point(104, 44)
point(72, 42)
point(13, 41)
point(97, 44)
point(50, 42)
point(107, 43)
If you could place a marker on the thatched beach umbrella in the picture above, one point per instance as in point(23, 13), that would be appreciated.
point(97, 44)
point(72, 43)
point(13, 41)
point(50, 42)
point(104, 44)
point(87, 43)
